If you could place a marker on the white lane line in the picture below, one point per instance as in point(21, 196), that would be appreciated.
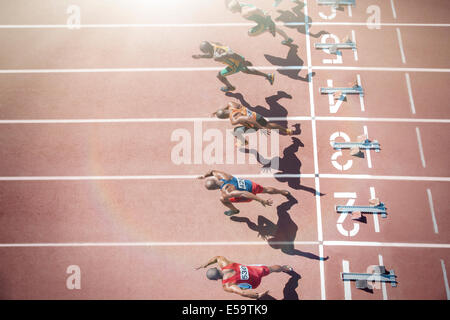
point(347, 284)
point(419, 141)
point(376, 223)
point(225, 243)
point(444, 273)
point(412, 120)
point(196, 69)
point(207, 25)
point(355, 52)
point(350, 13)
point(151, 120)
point(368, 156)
point(411, 100)
point(375, 177)
point(400, 43)
point(146, 177)
point(433, 216)
point(387, 244)
point(315, 149)
point(387, 69)
point(383, 284)
point(168, 177)
point(152, 69)
point(150, 244)
point(322, 274)
point(394, 13)
point(136, 120)
point(361, 98)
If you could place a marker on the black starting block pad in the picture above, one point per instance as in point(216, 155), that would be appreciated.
point(367, 144)
point(379, 209)
point(352, 90)
point(362, 279)
point(337, 3)
point(333, 47)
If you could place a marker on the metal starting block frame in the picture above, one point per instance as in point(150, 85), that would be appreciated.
point(367, 144)
point(379, 209)
point(333, 47)
point(353, 90)
point(379, 275)
point(337, 3)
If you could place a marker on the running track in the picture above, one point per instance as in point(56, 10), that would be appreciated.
point(86, 176)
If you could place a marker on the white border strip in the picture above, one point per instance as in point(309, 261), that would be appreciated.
point(197, 69)
point(419, 142)
point(347, 284)
point(411, 99)
point(153, 120)
point(168, 177)
point(444, 273)
point(400, 43)
point(150, 244)
point(375, 177)
point(209, 25)
point(387, 244)
point(383, 284)
point(433, 216)
point(225, 243)
point(394, 13)
point(315, 153)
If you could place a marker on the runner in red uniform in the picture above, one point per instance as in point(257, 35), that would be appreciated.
point(236, 277)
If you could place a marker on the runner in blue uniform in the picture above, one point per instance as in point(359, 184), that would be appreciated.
point(235, 189)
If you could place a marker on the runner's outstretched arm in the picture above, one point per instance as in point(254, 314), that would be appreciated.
point(220, 260)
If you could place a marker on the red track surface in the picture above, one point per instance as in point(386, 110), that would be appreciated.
point(105, 196)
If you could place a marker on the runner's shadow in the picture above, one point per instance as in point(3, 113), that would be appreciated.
point(289, 164)
point(281, 235)
point(296, 15)
point(292, 59)
point(289, 292)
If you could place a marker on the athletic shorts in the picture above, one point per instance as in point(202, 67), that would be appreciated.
point(242, 129)
point(256, 188)
point(235, 68)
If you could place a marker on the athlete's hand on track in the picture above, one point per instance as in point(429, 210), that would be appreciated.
point(267, 202)
point(201, 177)
point(196, 56)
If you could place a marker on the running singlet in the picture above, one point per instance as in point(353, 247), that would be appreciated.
point(242, 111)
point(240, 184)
point(218, 50)
point(246, 277)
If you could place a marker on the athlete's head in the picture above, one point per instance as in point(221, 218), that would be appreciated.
point(222, 114)
point(234, 6)
point(213, 274)
point(212, 183)
point(206, 47)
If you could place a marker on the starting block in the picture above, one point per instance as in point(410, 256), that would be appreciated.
point(366, 144)
point(349, 90)
point(377, 209)
point(337, 3)
point(333, 47)
point(362, 279)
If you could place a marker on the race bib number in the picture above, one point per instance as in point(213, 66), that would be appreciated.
point(241, 183)
point(244, 273)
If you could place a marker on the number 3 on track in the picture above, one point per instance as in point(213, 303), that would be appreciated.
point(338, 154)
